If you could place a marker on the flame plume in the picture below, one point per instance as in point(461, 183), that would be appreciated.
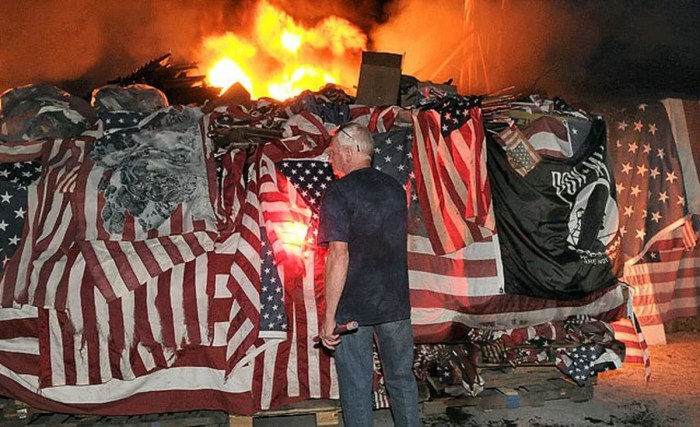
point(282, 58)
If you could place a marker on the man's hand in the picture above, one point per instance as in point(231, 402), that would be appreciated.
point(328, 338)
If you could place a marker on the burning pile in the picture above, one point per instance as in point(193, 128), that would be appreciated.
point(282, 58)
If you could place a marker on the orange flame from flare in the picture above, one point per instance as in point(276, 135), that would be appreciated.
point(283, 58)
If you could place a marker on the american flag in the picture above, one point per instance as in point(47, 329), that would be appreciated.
point(684, 116)
point(287, 365)
point(14, 179)
point(451, 180)
point(648, 177)
point(665, 281)
point(116, 308)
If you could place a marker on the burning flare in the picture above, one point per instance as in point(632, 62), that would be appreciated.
point(283, 58)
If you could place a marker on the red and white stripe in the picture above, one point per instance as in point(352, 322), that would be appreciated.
point(464, 289)
point(95, 340)
point(244, 280)
point(22, 151)
point(287, 367)
point(196, 381)
point(452, 186)
point(666, 289)
point(636, 349)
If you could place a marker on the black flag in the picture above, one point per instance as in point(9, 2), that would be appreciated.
point(558, 224)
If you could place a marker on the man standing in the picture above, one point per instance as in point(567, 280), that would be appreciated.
point(363, 222)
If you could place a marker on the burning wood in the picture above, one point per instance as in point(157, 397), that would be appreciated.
point(173, 79)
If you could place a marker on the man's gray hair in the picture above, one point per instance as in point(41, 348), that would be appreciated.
point(357, 137)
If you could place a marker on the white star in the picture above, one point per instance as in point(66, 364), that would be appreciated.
point(620, 187)
point(681, 201)
point(652, 129)
point(618, 143)
point(19, 213)
point(6, 197)
point(642, 170)
point(3, 225)
point(629, 210)
point(266, 316)
point(626, 168)
point(643, 107)
point(377, 150)
point(635, 190)
point(623, 231)
point(656, 217)
point(663, 197)
point(671, 176)
point(638, 126)
point(388, 141)
point(632, 148)
point(660, 153)
point(640, 234)
point(654, 172)
point(647, 148)
point(387, 159)
point(622, 125)
point(14, 240)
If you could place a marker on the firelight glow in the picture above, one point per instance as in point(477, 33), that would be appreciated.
point(293, 236)
point(282, 58)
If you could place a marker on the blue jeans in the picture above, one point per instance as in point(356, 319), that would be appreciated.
point(353, 360)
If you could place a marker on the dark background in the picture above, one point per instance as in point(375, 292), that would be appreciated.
point(574, 49)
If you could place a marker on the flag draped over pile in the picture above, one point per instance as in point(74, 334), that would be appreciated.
point(149, 266)
point(558, 224)
point(649, 182)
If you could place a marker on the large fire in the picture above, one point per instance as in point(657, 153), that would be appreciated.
point(283, 58)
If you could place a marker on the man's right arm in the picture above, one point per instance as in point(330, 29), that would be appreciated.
point(335, 274)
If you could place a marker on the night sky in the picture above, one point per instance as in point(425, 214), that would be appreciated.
point(573, 49)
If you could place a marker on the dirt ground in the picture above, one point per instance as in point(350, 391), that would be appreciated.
point(621, 397)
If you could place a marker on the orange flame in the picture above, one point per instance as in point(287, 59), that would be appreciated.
point(283, 58)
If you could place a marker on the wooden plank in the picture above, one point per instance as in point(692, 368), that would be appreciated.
point(240, 421)
point(535, 394)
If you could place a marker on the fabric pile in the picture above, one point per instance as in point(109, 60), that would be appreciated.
point(164, 250)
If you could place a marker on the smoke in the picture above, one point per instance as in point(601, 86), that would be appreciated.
point(486, 46)
point(91, 42)
point(562, 48)
point(555, 48)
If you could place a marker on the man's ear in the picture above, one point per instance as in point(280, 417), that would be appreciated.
point(347, 154)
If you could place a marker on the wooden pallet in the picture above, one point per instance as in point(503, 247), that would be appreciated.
point(325, 411)
point(514, 388)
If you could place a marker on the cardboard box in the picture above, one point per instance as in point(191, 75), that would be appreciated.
point(380, 77)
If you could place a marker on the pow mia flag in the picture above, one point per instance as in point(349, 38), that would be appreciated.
point(558, 225)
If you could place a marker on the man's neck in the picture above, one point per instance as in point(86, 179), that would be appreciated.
point(359, 165)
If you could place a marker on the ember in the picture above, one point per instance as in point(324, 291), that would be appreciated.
point(280, 59)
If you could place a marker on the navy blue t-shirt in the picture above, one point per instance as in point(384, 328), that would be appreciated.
point(367, 209)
